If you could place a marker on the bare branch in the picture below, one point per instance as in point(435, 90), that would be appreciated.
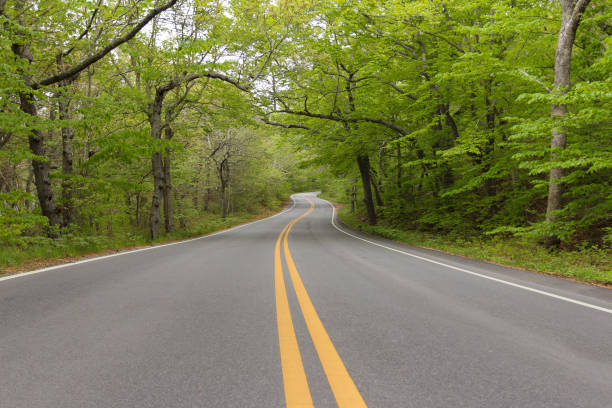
point(532, 78)
point(578, 11)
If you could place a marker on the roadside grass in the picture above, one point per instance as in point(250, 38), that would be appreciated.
point(591, 265)
point(33, 252)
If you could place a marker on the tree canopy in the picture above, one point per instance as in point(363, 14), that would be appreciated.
point(464, 118)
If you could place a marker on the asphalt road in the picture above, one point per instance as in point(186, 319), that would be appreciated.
point(249, 318)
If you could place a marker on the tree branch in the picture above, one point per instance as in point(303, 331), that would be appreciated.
point(578, 11)
point(84, 33)
point(225, 78)
point(531, 77)
point(83, 64)
point(397, 88)
point(335, 118)
point(287, 126)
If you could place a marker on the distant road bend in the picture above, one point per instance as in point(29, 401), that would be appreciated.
point(297, 310)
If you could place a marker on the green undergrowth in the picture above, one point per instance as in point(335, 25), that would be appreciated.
point(31, 252)
point(587, 265)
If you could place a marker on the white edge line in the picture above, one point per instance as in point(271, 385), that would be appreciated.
point(480, 275)
point(99, 258)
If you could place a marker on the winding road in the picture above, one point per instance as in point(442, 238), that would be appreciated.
point(298, 310)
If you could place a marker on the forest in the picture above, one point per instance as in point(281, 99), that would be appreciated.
point(129, 122)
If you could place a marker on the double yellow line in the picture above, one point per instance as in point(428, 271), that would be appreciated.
point(297, 392)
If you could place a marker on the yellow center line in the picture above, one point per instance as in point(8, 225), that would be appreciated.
point(297, 393)
point(345, 391)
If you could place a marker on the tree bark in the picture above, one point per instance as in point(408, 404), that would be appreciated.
point(168, 209)
point(156, 165)
point(364, 168)
point(41, 168)
point(572, 14)
point(223, 170)
point(67, 159)
point(158, 188)
point(167, 197)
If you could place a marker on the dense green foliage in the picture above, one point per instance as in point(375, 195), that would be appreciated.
point(147, 117)
point(76, 169)
point(450, 102)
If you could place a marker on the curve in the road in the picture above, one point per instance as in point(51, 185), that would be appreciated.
point(197, 325)
point(480, 275)
point(342, 385)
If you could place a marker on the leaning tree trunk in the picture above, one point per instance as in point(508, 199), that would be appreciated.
point(42, 168)
point(364, 168)
point(572, 14)
point(40, 164)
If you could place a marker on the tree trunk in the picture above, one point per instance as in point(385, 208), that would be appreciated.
point(67, 159)
point(364, 168)
point(41, 168)
point(42, 179)
point(224, 179)
point(157, 168)
point(168, 209)
point(572, 14)
point(158, 189)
